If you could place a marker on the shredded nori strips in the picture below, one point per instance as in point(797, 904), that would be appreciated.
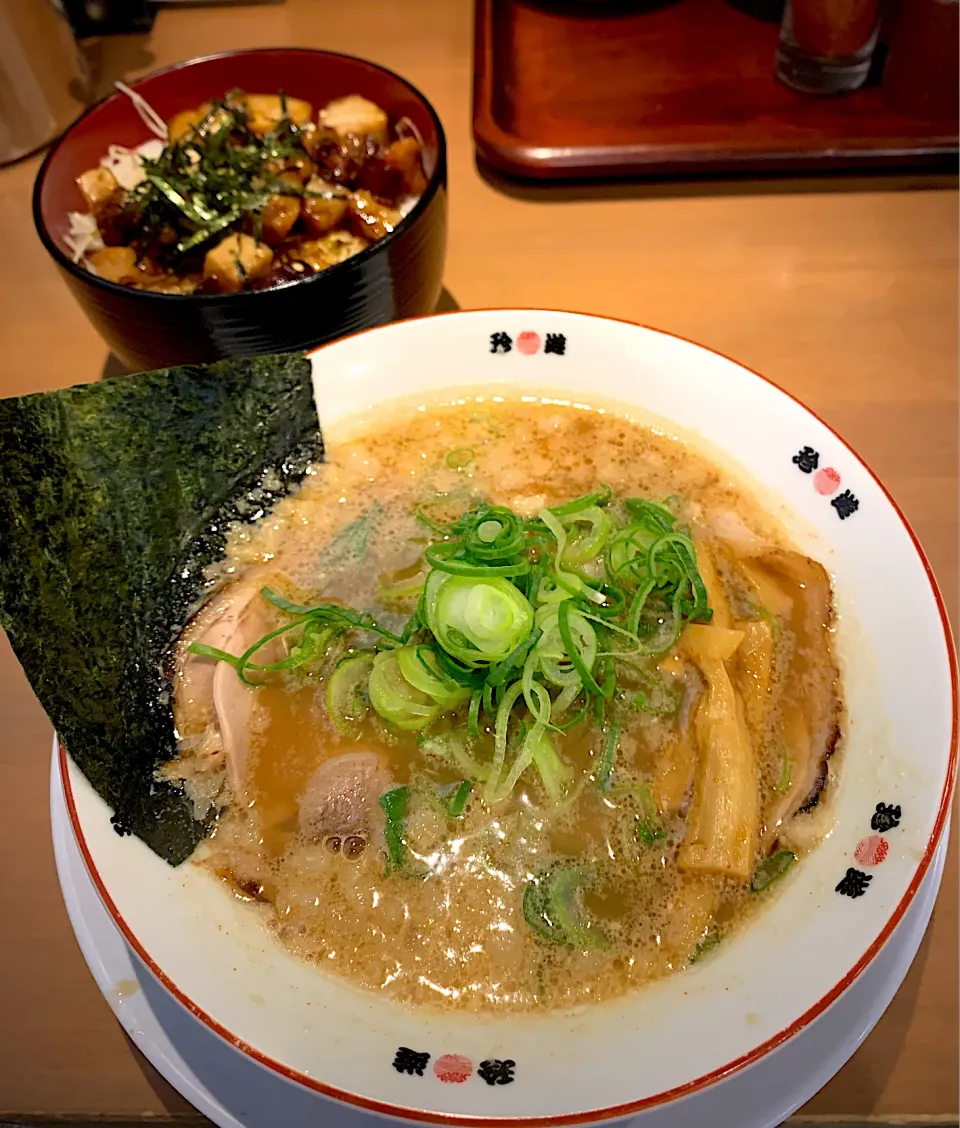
point(114, 498)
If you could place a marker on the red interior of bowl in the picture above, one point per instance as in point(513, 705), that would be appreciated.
point(316, 76)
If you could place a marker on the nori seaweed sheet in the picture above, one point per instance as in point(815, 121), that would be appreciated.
point(114, 498)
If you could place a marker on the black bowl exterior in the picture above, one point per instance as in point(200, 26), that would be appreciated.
point(400, 277)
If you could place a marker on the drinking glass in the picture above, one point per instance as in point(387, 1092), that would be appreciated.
point(826, 45)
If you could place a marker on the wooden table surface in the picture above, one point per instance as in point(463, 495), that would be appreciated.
point(844, 292)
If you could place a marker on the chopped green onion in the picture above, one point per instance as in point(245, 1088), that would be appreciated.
point(625, 555)
point(567, 580)
point(473, 715)
point(394, 698)
point(707, 944)
point(659, 698)
point(772, 869)
point(518, 767)
point(312, 648)
point(442, 558)
point(404, 583)
point(478, 621)
point(609, 683)
point(284, 604)
point(564, 616)
point(460, 458)
point(457, 801)
point(776, 624)
point(786, 771)
point(565, 698)
point(500, 738)
point(313, 640)
point(452, 746)
point(362, 620)
point(652, 513)
point(346, 695)
point(565, 726)
point(203, 650)
point(494, 534)
point(495, 621)
point(536, 697)
point(554, 773)
point(551, 655)
point(661, 563)
point(552, 910)
point(505, 669)
point(649, 830)
point(649, 833)
point(562, 702)
point(490, 692)
point(434, 526)
point(402, 589)
point(411, 627)
point(536, 749)
point(609, 756)
point(552, 589)
point(592, 528)
point(470, 677)
point(580, 503)
point(394, 804)
point(613, 604)
point(420, 668)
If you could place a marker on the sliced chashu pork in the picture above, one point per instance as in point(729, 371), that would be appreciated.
point(210, 699)
point(810, 704)
point(341, 797)
point(797, 589)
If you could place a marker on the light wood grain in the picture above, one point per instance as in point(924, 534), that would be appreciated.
point(843, 292)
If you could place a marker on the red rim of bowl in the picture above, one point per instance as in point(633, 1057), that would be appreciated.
point(630, 1107)
point(65, 262)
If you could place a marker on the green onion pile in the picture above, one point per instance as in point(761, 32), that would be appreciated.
point(523, 630)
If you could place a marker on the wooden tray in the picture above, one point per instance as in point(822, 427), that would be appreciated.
point(616, 88)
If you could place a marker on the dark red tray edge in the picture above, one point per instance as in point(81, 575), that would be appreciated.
point(512, 155)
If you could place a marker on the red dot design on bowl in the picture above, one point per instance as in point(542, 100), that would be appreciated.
point(872, 850)
point(826, 481)
point(528, 342)
point(454, 1069)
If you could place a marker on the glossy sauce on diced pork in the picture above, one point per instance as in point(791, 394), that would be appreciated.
point(249, 192)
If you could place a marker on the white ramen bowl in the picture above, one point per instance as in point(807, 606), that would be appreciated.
point(755, 991)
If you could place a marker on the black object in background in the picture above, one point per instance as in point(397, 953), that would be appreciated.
point(90, 18)
point(769, 10)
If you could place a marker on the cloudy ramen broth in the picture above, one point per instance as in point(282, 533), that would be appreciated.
point(458, 810)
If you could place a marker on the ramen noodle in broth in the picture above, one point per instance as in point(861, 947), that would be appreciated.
point(512, 705)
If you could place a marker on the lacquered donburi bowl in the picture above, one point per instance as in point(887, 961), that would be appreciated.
point(730, 1010)
point(399, 276)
